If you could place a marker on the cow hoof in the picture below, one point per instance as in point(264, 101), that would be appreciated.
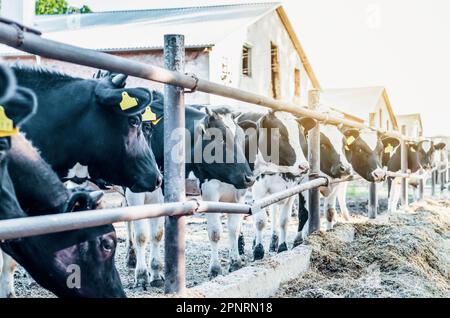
point(142, 279)
point(258, 252)
point(234, 266)
point(214, 271)
point(282, 248)
point(158, 283)
point(241, 244)
point(274, 243)
point(298, 241)
point(131, 258)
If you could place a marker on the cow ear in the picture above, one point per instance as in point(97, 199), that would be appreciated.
point(126, 101)
point(350, 135)
point(307, 123)
point(247, 124)
point(440, 146)
point(7, 83)
point(235, 115)
point(413, 147)
point(390, 143)
point(17, 111)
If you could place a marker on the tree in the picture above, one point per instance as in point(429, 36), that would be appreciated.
point(58, 7)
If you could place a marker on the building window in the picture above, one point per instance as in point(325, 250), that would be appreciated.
point(296, 82)
point(275, 71)
point(247, 60)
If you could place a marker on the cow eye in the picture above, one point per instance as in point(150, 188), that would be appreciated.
point(134, 121)
point(107, 245)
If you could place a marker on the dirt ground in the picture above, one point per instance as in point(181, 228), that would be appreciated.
point(407, 257)
point(198, 254)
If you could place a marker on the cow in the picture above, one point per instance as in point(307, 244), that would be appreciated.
point(363, 150)
point(93, 122)
point(235, 173)
point(279, 162)
point(91, 251)
point(420, 162)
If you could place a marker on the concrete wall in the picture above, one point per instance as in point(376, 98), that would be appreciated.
point(226, 61)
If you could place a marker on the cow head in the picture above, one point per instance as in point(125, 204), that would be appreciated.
point(365, 150)
point(426, 152)
point(332, 158)
point(71, 264)
point(218, 137)
point(116, 128)
point(282, 131)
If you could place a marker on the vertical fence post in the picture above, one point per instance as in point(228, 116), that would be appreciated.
point(174, 167)
point(442, 177)
point(314, 162)
point(373, 201)
point(404, 168)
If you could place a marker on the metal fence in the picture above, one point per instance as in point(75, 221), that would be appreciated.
point(176, 207)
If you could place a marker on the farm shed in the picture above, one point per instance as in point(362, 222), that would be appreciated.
point(248, 46)
point(368, 105)
point(413, 123)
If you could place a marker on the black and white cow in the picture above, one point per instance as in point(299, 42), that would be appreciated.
point(234, 173)
point(420, 162)
point(92, 122)
point(364, 151)
point(48, 257)
point(279, 162)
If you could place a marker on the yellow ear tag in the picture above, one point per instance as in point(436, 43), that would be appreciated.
point(347, 148)
point(350, 140)
point(412, 149)
point(148, 115)
point(155, 122)
point(388, 148)
point(6, 125)
point(127, 101)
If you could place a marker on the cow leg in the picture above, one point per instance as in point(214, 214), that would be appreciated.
point(341, 196)
point(284, 220)
point(275, 234)
point(234, 228)
point(131, 253)
point(214, 232)
point(330, 207)
point(260, 220)
point(8, 267)
point(140, 242)
point(395, 195)
point(156, 234)
point(302, 219)
point(132, 199)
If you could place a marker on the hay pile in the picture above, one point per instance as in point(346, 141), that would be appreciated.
point(407, 257)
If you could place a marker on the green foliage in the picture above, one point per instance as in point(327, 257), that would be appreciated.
point(58, 7)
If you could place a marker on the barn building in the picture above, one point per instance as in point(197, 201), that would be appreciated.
point(249, 46)
point(413, 123)
point(369, 105)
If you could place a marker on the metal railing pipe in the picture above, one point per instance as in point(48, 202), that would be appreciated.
point(35, 44)
point(280, 196)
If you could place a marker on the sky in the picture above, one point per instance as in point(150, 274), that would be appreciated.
point(403, 45)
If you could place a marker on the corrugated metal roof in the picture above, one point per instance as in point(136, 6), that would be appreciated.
point(144, 29)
